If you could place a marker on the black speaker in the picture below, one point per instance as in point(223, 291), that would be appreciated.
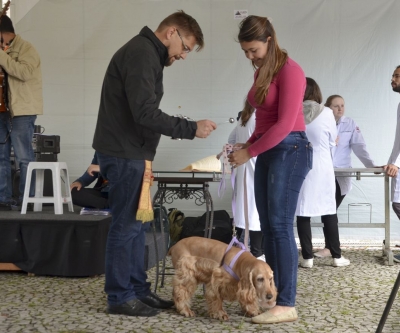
point(46, 143)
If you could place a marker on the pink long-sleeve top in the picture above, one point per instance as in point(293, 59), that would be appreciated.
point(282, 110)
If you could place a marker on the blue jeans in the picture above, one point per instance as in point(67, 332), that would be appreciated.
point(21, 135)
point(279, 174)
point(125, 274)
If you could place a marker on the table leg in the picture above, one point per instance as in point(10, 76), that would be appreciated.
point(209, 212)
point(387, 249)
point(164, 246)
point(157, 200)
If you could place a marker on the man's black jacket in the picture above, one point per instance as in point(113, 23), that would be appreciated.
point(130, 123)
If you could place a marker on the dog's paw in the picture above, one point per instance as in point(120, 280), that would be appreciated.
point(250, 311)
point(187, 313)
point(221, 315)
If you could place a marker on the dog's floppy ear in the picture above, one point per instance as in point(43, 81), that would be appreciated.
point(246, 291)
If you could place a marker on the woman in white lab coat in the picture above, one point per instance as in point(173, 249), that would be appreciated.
point(349, 139)
point(245, 210)
point(317, 194)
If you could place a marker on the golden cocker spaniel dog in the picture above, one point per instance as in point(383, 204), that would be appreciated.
point(199, 260)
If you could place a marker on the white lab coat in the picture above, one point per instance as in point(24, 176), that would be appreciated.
point(317, 194)
point(241, 134)
point(349, 138)
point(395, 159)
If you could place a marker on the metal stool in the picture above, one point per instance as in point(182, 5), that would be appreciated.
point(361, 204)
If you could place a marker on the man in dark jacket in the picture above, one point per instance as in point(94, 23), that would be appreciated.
point(128, 130)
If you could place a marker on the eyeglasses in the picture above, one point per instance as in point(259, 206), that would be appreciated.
point(185, 48)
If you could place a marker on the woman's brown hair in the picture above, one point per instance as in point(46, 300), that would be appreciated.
point(313, 93)
point(246, 113)
point(330, 99)
point(258, 28)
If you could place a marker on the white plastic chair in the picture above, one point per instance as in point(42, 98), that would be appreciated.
point(58, 198)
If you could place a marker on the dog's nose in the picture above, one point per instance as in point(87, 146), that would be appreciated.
point(269, 296)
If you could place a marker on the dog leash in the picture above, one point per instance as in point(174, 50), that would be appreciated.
point(226, 168)
point(229, 268)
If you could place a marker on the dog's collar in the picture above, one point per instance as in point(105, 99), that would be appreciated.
point(229, 268)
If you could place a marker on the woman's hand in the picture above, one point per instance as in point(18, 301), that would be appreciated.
point(241, 145)
point(239, 157)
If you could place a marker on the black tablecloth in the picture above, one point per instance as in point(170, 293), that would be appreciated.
point(46, 244)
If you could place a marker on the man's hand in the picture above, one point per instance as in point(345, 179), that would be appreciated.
point(391, 170)
point(78, 186)
point(204, 128)
point(239, 157)
point(378, 173)
point(93, 168)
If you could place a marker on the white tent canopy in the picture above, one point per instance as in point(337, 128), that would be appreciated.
point(349, 47)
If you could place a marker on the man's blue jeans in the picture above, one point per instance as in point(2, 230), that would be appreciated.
point(21, 135)
point(125, 274)
point(279, 174)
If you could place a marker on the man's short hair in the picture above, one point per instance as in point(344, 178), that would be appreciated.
point(6, 24)
point(187, 26)
point(398, 67)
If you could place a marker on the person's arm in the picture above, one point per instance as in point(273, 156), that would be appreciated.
point(395, 155)
point(332, 131)
point(393, 165)
point(359, 147)
point(291, 92)
point(93, 169)
point(22, 67)
point(89, 176)
point(140, 73)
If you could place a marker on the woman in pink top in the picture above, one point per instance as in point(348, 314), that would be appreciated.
point(284, 155)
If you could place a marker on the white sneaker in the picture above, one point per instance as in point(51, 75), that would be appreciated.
point(339, 262)
point(323, 253)
point(306, 263)
point(396, 258)
point(262, 258)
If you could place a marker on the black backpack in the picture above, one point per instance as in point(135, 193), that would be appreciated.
point(176, 218)
point(221, 229)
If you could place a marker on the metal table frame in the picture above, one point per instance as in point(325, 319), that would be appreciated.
point(359, 173)
point(174, 185)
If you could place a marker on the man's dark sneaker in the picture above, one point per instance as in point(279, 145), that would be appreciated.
point(5, 206)
point(396, 257)
point(8, 205)
point(18, 206)
point(134, 307)
point(156, 302)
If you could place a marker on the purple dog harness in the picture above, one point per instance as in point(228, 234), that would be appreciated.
point(229, 269)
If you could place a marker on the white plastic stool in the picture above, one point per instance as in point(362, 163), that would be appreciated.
point(58, 198)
